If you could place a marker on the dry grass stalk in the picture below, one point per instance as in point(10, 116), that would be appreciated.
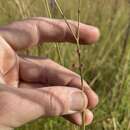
point(78, 49)
point(57, 46)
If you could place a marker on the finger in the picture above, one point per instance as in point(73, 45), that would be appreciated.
point(47, 72)
point(92, 96)
point(48, 101)
point(23, 34)
point(88, 117)
point(77, 118)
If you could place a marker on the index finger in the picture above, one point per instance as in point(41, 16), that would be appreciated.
point(26, 33)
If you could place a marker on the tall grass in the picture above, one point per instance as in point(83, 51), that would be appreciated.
point(106, 64)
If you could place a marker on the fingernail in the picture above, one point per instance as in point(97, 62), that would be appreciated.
point(78, 101)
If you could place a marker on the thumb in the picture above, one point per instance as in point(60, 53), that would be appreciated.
point(24, 104)
point(63, 100)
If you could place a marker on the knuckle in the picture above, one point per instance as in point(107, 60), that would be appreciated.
point(56, 106)
point(58, 101)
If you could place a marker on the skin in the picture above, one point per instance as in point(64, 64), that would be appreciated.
point(33, 87)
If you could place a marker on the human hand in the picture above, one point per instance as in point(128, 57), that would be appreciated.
point(40, 86)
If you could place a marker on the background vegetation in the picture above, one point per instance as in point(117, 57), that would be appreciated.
point(106, 64)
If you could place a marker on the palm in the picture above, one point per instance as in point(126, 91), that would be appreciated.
point(9, 65)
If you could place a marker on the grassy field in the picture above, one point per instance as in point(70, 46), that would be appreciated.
point(106, 64)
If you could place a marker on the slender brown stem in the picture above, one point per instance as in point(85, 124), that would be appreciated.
point(65, 19)
point(78, 49)
point(80, 62)
point(57, 46)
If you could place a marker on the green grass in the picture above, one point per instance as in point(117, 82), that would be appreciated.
point(106, 64)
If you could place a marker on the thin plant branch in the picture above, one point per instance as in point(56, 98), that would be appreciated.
point(57, 46)
point(65, 19)
point(78, 48)
point(80, 62)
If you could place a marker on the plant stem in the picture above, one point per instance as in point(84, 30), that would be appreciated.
point(57, 46)
point(77, 37)
point(80, 62)
point(48, 8)
point(61, 12)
